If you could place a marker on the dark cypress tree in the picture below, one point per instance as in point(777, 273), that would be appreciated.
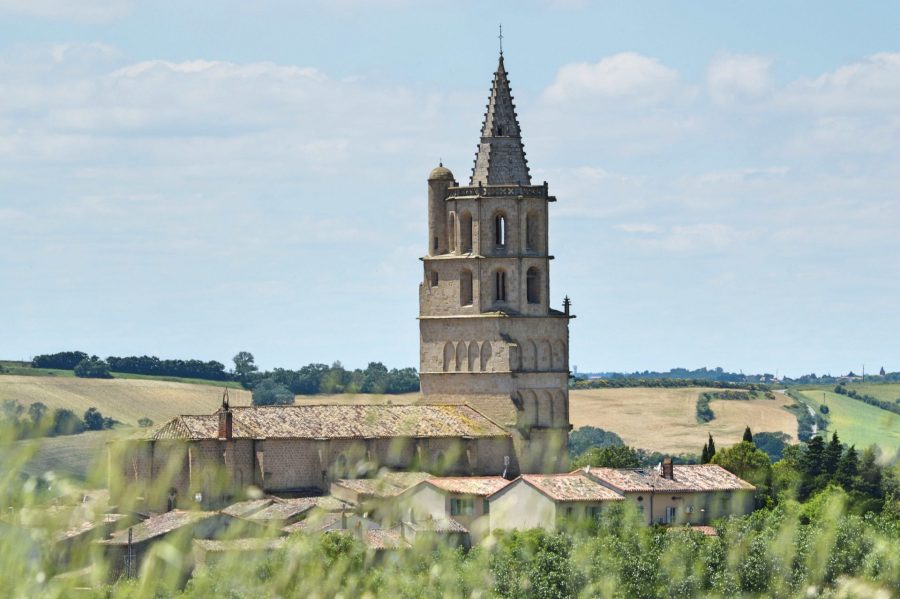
point(848, 468)
point(811, 458)
point(711, 449)
point(832, 455)
point(748, 436)
point(704, 457)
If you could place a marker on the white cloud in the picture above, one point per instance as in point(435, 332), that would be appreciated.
point(734, 77)
point(637, 228)
point(88, 11)
point(621, 77)
point(870, 84)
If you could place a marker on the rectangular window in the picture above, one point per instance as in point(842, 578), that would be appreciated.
point(434, 278)
point(461, 506)
point(593, 512)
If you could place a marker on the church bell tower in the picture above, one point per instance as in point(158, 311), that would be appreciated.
point(488, 336)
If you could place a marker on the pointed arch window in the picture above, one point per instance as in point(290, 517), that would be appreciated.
point(500, 286)
point(500, 230)
point(451, 233)
point(533, 285)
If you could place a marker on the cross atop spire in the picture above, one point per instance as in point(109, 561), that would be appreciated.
point(500, 37)
point(500, 159)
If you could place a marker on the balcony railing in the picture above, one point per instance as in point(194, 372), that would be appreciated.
point(493, 191)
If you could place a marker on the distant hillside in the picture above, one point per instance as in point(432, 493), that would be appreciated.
point(665, 419)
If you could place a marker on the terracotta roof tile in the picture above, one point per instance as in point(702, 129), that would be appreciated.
point(386, 538)
point(338, 422)
point(158, 525)
point(389, 484)
point(479, 486)
point(571, 487)
point(686, 478)
point(445, 525)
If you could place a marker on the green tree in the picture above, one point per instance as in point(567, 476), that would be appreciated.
point(847, 469)
point(746, 461)
point(93, 419)
point(244, 365)
point(37, 411)
point(12, 410)
point(66, 422)
point(810, 467)
point(611, 456)
point(268, 392)
point(92, 368)
point(748, 436)
point(585, 437)
point(144, 422)
point(711, 445)
point(704, 455)
point(832, 455)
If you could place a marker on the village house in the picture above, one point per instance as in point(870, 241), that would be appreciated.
point(548, 501)
point(462, 499)
point(693, 494)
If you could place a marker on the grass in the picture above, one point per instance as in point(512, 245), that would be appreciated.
point(856, 422)
point(71, 456)
point(664, 419)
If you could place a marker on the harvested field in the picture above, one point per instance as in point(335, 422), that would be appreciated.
point(128, 400)
point(665, 420)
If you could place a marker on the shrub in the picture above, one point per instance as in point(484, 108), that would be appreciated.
point(93, 368)
point(268, 392)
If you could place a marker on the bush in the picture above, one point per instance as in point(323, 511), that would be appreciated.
point(611, 456)
point(585, 437)
point(144, 422)
point(93, 419)
point(66, 360)
point(268, 392)
point(66, 422)
point(93, 368)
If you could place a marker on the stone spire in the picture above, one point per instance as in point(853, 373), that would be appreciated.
point(500, 159)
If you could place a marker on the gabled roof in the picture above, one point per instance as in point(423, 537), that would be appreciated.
point(687, 478)
point(195, 427)
point(338, 422)
point(501, 156)
point(158, 525)
point(389, 484)
point(572, 486)
point(479, 486)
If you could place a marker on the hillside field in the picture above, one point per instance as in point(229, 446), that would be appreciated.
point(664, 419)
point(856, 422)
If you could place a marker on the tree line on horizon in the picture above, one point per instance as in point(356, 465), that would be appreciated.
point(312, 379)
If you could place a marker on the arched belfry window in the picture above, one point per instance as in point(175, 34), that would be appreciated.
point(500, 286)
point(532, 231)
point(465, 233)
point(533, 285)
point(500, 230)
point(465, 288)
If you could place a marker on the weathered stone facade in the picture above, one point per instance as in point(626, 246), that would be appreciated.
point(488, 336)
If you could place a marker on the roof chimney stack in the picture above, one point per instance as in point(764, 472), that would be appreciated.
point(667, 468)
point(226, 425)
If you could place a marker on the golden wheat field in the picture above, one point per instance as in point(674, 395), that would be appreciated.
point(128, 400)
point(665, 419)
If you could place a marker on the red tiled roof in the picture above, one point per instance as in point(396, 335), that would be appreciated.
point(479, 486)
point(338, 422)
point(571, 487)
point(158, 525)
point(687, 478)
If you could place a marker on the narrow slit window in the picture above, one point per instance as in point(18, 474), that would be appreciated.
point(434, 278)
point(465, 288)
point(533, 285)
point(500, 230)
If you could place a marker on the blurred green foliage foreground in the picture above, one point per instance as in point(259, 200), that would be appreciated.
point(822, 547)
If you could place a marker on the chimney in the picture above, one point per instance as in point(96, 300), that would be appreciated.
point(667, 469)
point(225, 419)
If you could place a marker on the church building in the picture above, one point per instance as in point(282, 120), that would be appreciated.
point(494, 364)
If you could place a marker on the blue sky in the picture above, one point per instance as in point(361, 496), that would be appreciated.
point(191, 179)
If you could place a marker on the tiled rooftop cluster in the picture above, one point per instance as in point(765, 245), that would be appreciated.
point(686, 478)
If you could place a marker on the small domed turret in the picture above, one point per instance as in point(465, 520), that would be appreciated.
point(440, 173)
